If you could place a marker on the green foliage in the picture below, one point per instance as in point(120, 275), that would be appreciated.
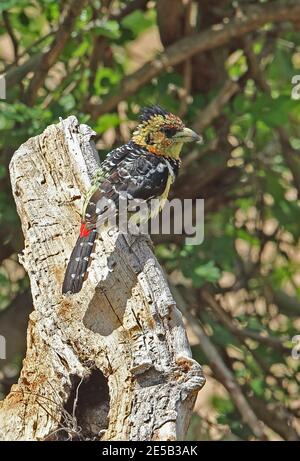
point(108, 29)
point(107, 121)
point(199, 274)
point(137, 22)
point(8, 4)
point(222, 405)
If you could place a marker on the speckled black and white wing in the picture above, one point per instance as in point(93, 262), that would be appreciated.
point(114, 157)
point(138, 175)
point(128, 172)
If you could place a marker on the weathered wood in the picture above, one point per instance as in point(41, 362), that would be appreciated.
point(113, 361)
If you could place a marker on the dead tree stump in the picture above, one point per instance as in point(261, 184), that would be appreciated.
point(111, 362)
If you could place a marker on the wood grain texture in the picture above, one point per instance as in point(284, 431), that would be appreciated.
point(113, 361)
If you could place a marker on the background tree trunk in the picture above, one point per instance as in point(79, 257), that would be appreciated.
point(113, 361)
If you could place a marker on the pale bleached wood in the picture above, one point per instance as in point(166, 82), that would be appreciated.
point(123, 330)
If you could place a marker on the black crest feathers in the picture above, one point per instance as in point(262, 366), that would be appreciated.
point(148, 112)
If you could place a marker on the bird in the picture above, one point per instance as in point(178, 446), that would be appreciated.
point(143, 169)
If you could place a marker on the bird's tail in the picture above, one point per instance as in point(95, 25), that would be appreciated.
point(79, 261)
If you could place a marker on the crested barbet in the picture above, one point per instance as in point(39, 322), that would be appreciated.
point(143, 169)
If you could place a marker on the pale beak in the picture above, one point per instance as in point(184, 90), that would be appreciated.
point(187, 135)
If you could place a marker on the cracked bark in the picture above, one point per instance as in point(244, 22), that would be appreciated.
point(112, 362)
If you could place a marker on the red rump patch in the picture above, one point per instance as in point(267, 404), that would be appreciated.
point(84, 231)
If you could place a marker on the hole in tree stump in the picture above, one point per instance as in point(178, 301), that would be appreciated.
point(91, 412)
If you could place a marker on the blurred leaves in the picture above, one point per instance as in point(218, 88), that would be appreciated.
point(8, 4)
point(137, 22)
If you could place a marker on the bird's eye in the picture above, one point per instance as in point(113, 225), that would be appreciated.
point(169, 132)
point(148, 139)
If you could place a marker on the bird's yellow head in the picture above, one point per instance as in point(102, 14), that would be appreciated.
point(162, 133)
